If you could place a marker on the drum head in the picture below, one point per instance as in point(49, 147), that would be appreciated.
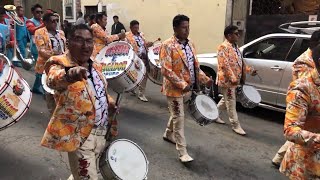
point(44, 84)
point(207, 107)
point(127, 160)
point(115, 58)
point(153, 54)
point(15, 97)
point(251, 93)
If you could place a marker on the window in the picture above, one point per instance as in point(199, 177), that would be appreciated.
point(304, 46)
point(68, 4)
point(272, 49)
point(91, 9)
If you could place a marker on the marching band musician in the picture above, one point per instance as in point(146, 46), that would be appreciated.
point(140, 46)
point(79, 123)
point(49, 42)
point(100, 34)
point(22, 32)
point(302, 66)
point(231, 73)
point(301, 126)
point(34, 24)
point(181, 72)
point(8, 35)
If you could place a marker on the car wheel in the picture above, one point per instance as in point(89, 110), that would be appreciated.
point(209, 72)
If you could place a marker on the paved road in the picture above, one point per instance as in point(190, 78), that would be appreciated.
point(219, 153)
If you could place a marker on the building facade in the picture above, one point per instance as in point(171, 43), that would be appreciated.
point(207, 18)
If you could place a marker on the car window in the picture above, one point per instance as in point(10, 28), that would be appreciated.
point(299, 47)
point(272, 49)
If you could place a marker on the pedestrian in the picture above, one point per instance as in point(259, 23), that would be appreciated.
point(66, 28)
point(302, 66)
point(92, 20)
point(117, 26)
point(78, 125)
point(301, 126)
point(50, 42)
point(22, 33)
point(140, 46)
point(80, 19)
point(231, 73)
point(101, 36)
point(181, 74)
point(7, 33)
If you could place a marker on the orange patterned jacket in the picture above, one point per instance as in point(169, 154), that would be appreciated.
point(74, 116)
point(130, 39)
point(175, 68)
point(44, 46)
point(230, 66)
point(101, 38)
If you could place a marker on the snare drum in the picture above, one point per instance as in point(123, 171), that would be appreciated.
point(123, 69)
point(248, 96)
point(15, 94)
point(154, 73)
point(123, 160)
point(44, 84)
point(203, 109)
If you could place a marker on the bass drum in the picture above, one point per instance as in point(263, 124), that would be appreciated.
point(123, 160)
point(15, 94)
point(154, 72)
point(123, 69)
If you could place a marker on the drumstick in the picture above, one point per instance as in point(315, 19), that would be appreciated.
point(259, 77)
point(159, 39)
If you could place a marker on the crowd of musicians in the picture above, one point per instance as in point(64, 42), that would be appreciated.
point(81, 108)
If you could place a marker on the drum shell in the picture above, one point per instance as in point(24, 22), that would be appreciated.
point(154, 74)
point(123, 82)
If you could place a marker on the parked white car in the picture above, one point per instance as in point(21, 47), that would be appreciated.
point(272, 56)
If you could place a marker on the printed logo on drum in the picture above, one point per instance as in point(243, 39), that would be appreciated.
point(156, 50)
point(114, 68)
point(6, 108)
point(118, 50)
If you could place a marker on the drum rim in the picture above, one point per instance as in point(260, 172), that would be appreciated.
point(194, 102)
point(46, 86)
point(25, 110)
point(141, 150)
point(132, 60)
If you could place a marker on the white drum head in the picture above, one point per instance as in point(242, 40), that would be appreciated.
point(251, 93)
point(44, 84)
point(127, 160)
point(115, 58)
point(207, 107)
point(153, 55)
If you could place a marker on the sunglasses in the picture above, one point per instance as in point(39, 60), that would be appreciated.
point(39, 12)
point(54, 21)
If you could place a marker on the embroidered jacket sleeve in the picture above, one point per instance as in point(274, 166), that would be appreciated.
point(32, 28)
point(42, 44)
point(298, 104)
point(166, 69)
point(103, 35)
point(224, 65)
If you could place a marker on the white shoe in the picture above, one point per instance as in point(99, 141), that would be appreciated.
point(143, 98)
point(169, 139)
point(220, 121)
point(237, 129)
point(276, 161)
point(185, 158)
